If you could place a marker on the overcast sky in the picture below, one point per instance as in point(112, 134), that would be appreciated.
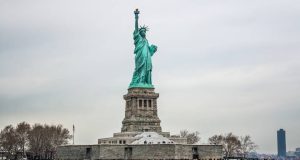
point(221, 66)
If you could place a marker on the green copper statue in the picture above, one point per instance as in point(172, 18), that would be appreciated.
point(143, 52)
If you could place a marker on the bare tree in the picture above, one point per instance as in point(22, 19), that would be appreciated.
point(216, 140)
point(22, 130)
point(230, 142)
point(8, 141)
point(231, 145)
point(247, 145)
point(192, 137)
point(184, 133)
point(56, 136)
point(36, 140)
point(44, 140)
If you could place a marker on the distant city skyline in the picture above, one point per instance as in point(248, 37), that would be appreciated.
point(234, 67)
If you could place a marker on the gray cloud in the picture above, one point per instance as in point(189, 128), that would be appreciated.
point(228, 66)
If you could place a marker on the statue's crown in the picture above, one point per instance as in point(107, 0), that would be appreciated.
point(144, 27)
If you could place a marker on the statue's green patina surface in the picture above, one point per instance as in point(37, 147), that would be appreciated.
point(143, 52)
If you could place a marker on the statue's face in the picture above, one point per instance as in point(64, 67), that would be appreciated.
point(143, 33)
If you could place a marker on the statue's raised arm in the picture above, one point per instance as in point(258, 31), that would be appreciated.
point(136, 13)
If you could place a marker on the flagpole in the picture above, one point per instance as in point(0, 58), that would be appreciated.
point(73, 133)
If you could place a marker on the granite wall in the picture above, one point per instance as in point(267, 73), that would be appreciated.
point(149, 151)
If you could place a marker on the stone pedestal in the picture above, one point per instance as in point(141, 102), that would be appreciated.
point(141, 111)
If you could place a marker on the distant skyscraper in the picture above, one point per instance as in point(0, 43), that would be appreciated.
point(281, 144)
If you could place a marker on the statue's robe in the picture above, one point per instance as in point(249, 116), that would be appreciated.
point(143, 64)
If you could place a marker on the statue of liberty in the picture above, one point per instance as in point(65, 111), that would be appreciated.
point(143, 51)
